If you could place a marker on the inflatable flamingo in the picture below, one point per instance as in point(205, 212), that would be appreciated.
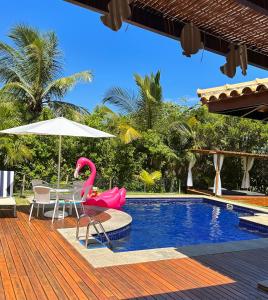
point(114, 198)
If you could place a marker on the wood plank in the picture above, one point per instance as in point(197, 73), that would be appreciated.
point(65, 263)
point(42, 262)
point(10, 278)
point(79, 274)
point(41, 288)
point(44, 259)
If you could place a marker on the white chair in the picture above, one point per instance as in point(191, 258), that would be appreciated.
point(39, 182)
point(42, 197)
point(77, 199)
point(6, 190)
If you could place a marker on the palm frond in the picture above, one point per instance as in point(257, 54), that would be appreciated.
point(128, 134)
point(14, 151)
point(157, 175)
point(125, 101)
point(105, 110)
point(60, 87)
point(150, 179)
point(60, 106)
point(146, 178)
point(23, 35)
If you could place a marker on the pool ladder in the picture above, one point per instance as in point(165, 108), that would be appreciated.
point(100, 232)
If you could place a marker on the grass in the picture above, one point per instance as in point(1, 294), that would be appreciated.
point(23, 200)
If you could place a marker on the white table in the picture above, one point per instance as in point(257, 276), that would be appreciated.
point(58, 214)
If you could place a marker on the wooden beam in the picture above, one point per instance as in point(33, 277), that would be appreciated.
point(252, 111)
point(229, 153)
point(155, 21)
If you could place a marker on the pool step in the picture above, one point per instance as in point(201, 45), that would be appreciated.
point(100, 232)
point(259, 218)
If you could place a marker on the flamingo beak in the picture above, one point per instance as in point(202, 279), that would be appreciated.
point(76, 172)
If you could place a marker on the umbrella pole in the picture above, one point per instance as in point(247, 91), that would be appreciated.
point(59, 161)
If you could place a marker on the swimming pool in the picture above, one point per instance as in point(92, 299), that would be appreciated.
point(170, 223)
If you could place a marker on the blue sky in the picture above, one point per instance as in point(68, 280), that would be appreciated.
point(115, 56)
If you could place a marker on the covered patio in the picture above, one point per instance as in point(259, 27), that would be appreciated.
point(247, 163)
point(221, 23)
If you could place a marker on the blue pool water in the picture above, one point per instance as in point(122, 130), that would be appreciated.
point(180, 223)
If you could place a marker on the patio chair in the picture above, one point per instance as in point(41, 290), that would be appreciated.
point(39, 182)
point(42, 197)
point(76, 199)
point(6, 190)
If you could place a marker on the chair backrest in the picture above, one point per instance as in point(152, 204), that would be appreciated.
point(41, 194)
point(77, 191)
point(39, 182)
point(87, 190)
point(6, 183)
point(78, 184)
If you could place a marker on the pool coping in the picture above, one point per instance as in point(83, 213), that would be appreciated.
point(104, 257)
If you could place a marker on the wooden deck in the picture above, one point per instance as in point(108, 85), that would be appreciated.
point(37, 263)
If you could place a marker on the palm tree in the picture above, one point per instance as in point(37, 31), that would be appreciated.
point(149, 179)
point(145, 106)
point(30, 71)
point(120, 124)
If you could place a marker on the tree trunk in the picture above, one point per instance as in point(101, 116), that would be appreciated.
point(22, 186)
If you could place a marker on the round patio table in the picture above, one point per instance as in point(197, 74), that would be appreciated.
point(58, 214)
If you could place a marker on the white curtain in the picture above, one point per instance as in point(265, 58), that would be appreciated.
point(218, 162)
point(247, 164)
point(190, 174)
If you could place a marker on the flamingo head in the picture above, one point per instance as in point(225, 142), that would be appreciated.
point(82, 161)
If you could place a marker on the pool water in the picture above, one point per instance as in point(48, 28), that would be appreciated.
point(180, 223)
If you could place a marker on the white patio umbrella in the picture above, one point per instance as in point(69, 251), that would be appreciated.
point(59, 127)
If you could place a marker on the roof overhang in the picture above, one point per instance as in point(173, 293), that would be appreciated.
point(236, 21)
point(247, 99)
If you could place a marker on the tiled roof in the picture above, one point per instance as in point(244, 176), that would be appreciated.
point(233, 90)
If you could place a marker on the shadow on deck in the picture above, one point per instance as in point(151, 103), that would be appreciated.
point(37, 263)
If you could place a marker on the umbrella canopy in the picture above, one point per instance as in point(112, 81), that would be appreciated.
point(58, 127)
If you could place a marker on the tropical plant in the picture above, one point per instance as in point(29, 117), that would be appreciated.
point(183, 136)
point(143, 107)
point(121, 125)
point(12, 149)
point(30, 70)
point(149, 179)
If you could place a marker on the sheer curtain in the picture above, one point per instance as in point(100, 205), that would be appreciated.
point(247, 164)
point(218, 162)
point(190, 174)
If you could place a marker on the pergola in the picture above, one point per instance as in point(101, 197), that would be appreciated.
point(218, 158)
point(221, 23)
point(246, 99)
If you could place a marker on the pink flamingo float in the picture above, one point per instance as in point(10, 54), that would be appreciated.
point(114, 198)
